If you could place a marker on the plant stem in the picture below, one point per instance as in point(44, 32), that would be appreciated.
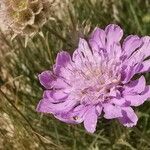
point(21, 114)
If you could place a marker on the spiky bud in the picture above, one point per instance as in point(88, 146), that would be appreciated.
point(25, 17)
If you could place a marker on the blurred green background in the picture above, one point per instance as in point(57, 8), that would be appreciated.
point(21, 127)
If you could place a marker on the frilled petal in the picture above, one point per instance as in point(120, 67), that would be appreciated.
point(60, 83)
point(55, 95)
point(43, 106)
point(129, 118)
point(138, 99)
point(116, 50)
point(62, 60)
point(99, 109)
point(114, 93)
point(135, 86)
point(130, 44)
point(119, 101)
point(79, 113)
point(90, 120)
point(98, 40)
point(145, 66)
point(144, 50)
point(113, 35)
point(53, 101)
point(65, 117)
point(46, 78)
point(82, 53)
point(135, 100)
point(63, 107)
point(112, 111)
point(46, 105)
point(129, 72)
point(76, 116)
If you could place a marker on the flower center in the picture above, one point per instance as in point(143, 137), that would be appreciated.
point(93, 84)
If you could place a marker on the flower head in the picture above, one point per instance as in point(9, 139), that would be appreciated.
point(99, 77)
point(25, 17)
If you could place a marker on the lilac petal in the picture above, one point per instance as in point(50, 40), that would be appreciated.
point(143, 50)
point(145, 66)
point(56, 95)
point(46, 78)
point(99, 109)
point(60, 83)
point(79, 113)
point(135, 86)
point(129, 118)
point(129, 72)
point(136, 100)
point(46, 106)
point(90, 120)
point(65, 117)
point(66, 72)
point(113, 34)
point(83, 47)
point(77, 57)
point(146, 46)
point(47, 95)
point(59, 95)
point(131, 43)
point(116, 50)
point(63, 107)
point(76, 116)
point(97, 40)
point(83, 52)
point(114, 93)
point(43, 106)
point(119, 101)
point(112, 111)
point(63, 58)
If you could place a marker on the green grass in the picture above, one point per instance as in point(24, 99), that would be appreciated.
point(21, 91)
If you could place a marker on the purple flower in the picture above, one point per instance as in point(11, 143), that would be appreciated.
point(99, 77)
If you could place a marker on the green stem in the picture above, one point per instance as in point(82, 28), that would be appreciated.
point(139, 133)
point(57, 35)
